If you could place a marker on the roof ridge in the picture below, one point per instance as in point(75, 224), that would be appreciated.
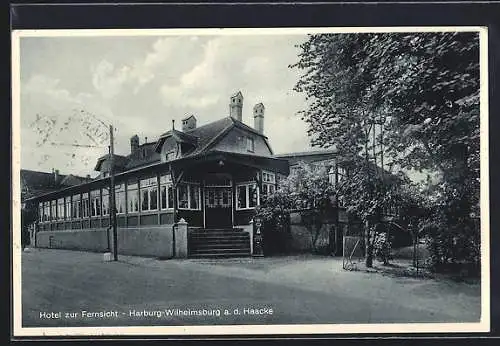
point(248, 127)
point(326, 151)
point(210, 123)
point(215, 138)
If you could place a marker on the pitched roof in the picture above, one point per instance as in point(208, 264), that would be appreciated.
point(210, 133)
point(308, 156)
point(120, 161)
point(179, 136)
point(137, 159)
point(37, 183)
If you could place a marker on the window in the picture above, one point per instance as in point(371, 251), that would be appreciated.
point(75, 213)
point(336, 175)
point(53, 210)
point(250, 144)
point(132, 198)
point(342, 174)
point(95, 203)
point(40, 212)
point(60, 209)
point(120, 198)
point(85, 205)
point(268, 184)
point(225, 200)
point(46, 208)
point(105, 202)
point(247, 196)
point(67, 208)
point(188, 196)
point(218, 198)
point(170, 155)
point(166, 192)
point(149, 194)
point(332, 176)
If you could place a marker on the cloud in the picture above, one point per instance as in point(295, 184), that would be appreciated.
point(142, 90)
point(59, 129)
point(109, 80)
point(168, 58)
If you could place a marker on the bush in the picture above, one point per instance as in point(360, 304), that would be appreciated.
point(382, 247)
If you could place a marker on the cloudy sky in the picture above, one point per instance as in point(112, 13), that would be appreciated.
point(69, 85)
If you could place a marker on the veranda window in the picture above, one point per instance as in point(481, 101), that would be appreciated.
point(120, 198)
point(132, 197)
point(60, 209)
point(188, 196)
point(85, 205)
point(95, 197)
point(149, 194)
point(268, 184)
point(46, 208)
point(75, 214)
point(53, 210)
point(67, 208)
point(247, 196)
point(166, 192)
point(105, 202)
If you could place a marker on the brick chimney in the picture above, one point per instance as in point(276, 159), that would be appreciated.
point(56, 175)
point(134, 143)
point(188, 123)
point(236, 106)
point(258, 117)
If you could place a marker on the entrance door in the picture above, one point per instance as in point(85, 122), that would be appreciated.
point(218, 207)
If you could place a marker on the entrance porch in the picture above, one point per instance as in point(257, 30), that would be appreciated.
point(217, 196)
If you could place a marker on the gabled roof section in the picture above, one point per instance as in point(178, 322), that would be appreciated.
point(36, 183)
point(189, 117)
point(309, 156)
point(245, 127)
point(120, 161)
point(144, 155)
point(70, 180)
point(209, 134)
point(179, 136)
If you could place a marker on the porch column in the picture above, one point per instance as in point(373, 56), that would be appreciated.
point(181, 239)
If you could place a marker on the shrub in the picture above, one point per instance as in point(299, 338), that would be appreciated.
point(382, 247)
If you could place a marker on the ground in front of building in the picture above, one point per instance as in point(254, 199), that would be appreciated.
point(71, 288)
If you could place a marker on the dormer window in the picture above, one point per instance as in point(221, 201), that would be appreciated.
point(250, 144)
point(170, 155)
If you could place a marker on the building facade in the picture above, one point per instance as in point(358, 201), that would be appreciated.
point(336, 224)
point(211, 176)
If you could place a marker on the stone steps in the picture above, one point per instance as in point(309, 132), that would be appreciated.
point(218, 243)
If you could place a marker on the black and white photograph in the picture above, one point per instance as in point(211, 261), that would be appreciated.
point(250, 181)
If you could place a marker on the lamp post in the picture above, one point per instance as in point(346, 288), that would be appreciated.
point(112, 201)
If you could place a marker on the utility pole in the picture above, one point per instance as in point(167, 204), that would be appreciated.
point(112, 193)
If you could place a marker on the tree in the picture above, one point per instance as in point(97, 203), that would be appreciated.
point(306, 191)
point(415, 96)
point(344, 112)
point(29, 215)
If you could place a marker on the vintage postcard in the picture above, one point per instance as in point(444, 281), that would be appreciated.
point(249, 182)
